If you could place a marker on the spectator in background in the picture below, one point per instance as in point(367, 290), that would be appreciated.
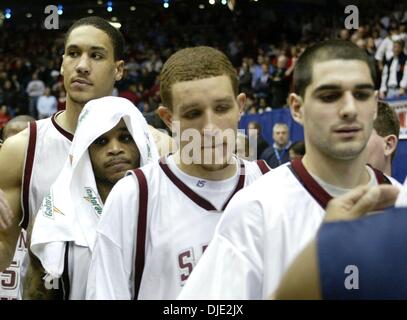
point(16, 125)
point(279, 83)
point(35, 89)
point(46, 104)
point(256, 138)
point(382, 145)
point(4, 116)
point(61, 100)
point(385, 50)
point(262, 85)
point(296, 150)
point(245, 77)
point(394, 77)
point(278, 154)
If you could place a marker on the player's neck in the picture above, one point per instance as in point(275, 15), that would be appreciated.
point(387, 167)
point(216, 173)
point(341, 173)
point(68, 119)
point(104, 189)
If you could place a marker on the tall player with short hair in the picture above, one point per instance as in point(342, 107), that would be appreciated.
point(267, 224)
point(158, 220)
point(31, 161)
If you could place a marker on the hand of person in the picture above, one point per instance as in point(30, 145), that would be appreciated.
point(382, 95)
point(360, 201)
point(402, 91)
point(5, 213)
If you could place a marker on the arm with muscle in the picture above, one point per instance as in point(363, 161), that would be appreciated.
point(12, 156)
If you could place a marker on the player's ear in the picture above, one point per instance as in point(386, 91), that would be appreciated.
point(62, 65)
point(241, 102)
point(376, 99)
point(119, 70)
point(166, 116)
point(390, 144)
point(296, 107)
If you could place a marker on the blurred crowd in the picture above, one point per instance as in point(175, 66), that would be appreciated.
point(263, 41)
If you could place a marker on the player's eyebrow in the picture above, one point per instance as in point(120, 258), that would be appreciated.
point(93, 48)
point(326, 87)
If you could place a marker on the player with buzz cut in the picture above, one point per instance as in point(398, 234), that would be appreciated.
point(158, 221)
point(268, 223)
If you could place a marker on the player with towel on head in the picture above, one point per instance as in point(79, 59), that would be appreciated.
point(112, 137)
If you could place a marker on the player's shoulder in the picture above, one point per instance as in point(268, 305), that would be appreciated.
point(264, 189)
point(273, 178)
point(14, 148)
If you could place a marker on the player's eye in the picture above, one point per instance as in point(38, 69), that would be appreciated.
point(362, 95)
point(73, 54)
point(222, 108)
point(100, 141)
point(192, 114)
point(97, 55)
point(329, 97)
point(126, 138)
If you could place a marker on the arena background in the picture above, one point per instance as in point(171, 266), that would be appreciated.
point(252, 33)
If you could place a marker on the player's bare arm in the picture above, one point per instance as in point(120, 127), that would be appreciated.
point(12, 156)
point(34, 286)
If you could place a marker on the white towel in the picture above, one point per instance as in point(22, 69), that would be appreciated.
point(402, 198)
point(70, 212)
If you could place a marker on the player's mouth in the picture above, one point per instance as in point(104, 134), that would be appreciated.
point(81, 83)
point(118, 164)
point(348, 131)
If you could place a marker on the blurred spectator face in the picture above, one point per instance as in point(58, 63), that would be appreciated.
point(47, 91)
point(264, 68)
point(281, 62)
point(370, 43)
point(7, 85)
point(280, 135)
point(88, 65)
point(3, 109)
point(260, 59)
point(344, 34)
point(397, 49)
point(361, 43)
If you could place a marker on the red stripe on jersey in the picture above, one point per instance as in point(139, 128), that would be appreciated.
point(309, 183)
point(29, 161)
point(65, 133)
point(141, 231)
point(264, 168)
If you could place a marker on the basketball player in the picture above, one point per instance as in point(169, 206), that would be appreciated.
point(9, 278)
point(158, 220)
point(266, 225)
point(382, 145)
point(31, 160)
point(354, 259)
point(71, 211)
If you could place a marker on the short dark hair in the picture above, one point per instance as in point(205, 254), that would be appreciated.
point(387, 122)
point(326, 51)
point(114, 34)
point(298, 147)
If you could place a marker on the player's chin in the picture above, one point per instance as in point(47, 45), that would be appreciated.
point(349, 151)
